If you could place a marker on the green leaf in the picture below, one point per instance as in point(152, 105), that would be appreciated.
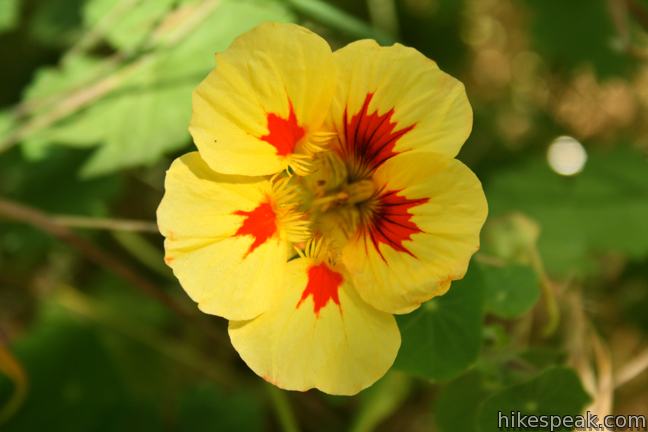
point(602, 209)
point(510, 291)
point(149, 114)
point(443, 337)
point(9, 14)
point(556, 391)
point(577, 32)
point(125, 24)
point(458, 402)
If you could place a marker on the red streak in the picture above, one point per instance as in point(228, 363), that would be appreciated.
point(260, 223)
point(391, 222)
point(283, 134)
point(323, 285)
point(370, 138)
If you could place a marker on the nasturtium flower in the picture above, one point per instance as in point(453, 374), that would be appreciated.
point(324, 198)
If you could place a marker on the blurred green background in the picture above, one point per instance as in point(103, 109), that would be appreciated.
point(96, 334)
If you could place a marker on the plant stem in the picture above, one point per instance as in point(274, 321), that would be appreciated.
point(548, 292)
point(20, 213)
point(632, 369)
point(339, 20)
point(283, 409)
point(111, 224)
point(380, 401)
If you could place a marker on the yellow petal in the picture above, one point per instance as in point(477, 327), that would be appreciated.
point(394, 99)
point(222, 238)
point(318, 333)
point(422, 236)
point(266, 98)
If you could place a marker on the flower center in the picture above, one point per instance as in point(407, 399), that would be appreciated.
point(336, 203)
point(336, 191)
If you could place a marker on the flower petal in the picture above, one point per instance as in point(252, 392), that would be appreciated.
point(421, 235)
point(318, 333)
point(222, 241)
point(267, 96)
point(394, 99)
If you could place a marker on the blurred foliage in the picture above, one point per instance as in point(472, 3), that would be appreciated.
point(94, 104)
point(600, 210)
point(149, 98)
point(581, 32)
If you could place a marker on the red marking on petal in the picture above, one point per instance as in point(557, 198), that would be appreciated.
point(391, 222)
point(323, 285)
point(370, 138)
point(283, 134)
point(169, 259)
point(260, 223)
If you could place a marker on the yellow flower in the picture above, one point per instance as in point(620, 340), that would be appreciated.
point(323, 199)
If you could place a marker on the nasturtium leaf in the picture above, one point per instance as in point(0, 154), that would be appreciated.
point(602, 209)
point(511, 290)
point(443, 337)
point(458, 402)
point(9, 11)
point(149, 113)
point(555, 391)
point(209, 408)
point(562, 32)
point(126, 25)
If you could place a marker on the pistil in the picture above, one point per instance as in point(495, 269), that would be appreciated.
point(353, 193)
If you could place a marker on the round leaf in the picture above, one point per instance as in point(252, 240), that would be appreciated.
point(510, 291)
point(556, 391)
point(443, 337)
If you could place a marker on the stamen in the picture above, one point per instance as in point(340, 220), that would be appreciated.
point(301, 164)
point(314, 248)
point(294, 223)
point(321, 249)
